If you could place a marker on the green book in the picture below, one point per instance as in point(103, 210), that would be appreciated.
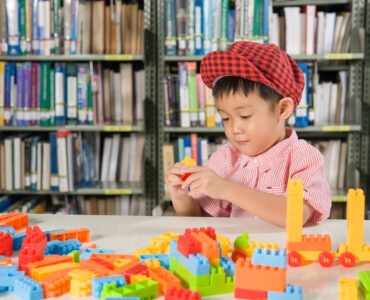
point(45, 93)
point(191, 68)
point(90, 114)
point(224, 23)
point(52, 98)
point(22, 19)
point(256, 19)
point(72, 93)
point(56, 26)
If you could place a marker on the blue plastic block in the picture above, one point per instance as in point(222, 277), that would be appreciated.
point(28, 289)
point(228, 266)
point(8, 274)
point(8, 269)
point(289, 294)
point(8, 229)
point(268, 257)
point(87, 253)
point(164, 259)
point(52, 231)
point(196, 264)
point(98, 283)
point(17, 241)
point(62, 248)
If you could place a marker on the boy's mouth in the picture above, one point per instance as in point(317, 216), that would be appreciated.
point(241, 142)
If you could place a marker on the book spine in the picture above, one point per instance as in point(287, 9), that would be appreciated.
point(35, 32)
point(231, 27)
point(193, 96)
point(67, 14)
point(216, 24)
point(23, 25)
point(27, 162)
point(19, 103)
point(45, 92)
point(72, 93)
point(27, 94)
point(210, 108)
point(201, 100)
point(62, 161)
point(190, 28)
point(207, 26)
point(172, 100)
point(40, 25)
point(52, 27)
point(34, 162)
point(170, 27)
point(29, 26)
point(74, 22)
point(13, 91)
point(194, 146)
point(224, 23)
point(60, 118)
point(3, 29)
point(167, 113)
point(33, 102)
point(90, 113)
point(38, 97)
point(56, 27)
point(199, 152)
point(46, 29)
point(256, 19)
point(239, 12)
point(82, 93)
point(187, 146)
point(265, 20)
point(184, 96)
point(198, 27)
point(301, 111)
point(12, 14)
point(52, 98)
point(7, 95)
point(2, 91)
point(181, 23)
point(54, 179)
point(180, 149)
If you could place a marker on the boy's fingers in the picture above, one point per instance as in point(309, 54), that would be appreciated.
point(191, 179)
point(179, 165)
point(195, 169)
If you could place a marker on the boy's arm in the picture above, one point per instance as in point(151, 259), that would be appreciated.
point(187, 206)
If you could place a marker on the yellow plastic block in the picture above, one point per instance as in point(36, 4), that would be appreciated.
point(310, 255)
point(225, 243)
point(137, 278)
point(39, 274)
point(189, 162)
point(294, 210)
point(81, 282)
point(266, 245)
point(348, 289)
point(121, 262)
point(155, 263)
point(355, 219)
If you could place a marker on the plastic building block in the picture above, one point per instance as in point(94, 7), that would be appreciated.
point(17, 241)
point(15, 220)
point(311, 243)
point(210, 231)
point(52, 231)
point(228, 266)
point(6, 262)
point(92, 246)
point(348, 288)
point(62, 247)
point(196, 264)
point(56, 284)
point(9, 229)
point(9, 215)
point(75, 254)
point(98, 283)
point(260, 278)
point(104, 263)
point(190, 163)
point(137, 278)
point(122, 298)
point(152, 263)
point(267, 257)
point(6, 244)
point(82, 235)
point(364, 280)
point(112, 257)
point(158, 245)
point(187, 244)
point(164, 259)
point(97, 269)
point(355, 219)
point(294, 222)
point(249, 294)
point(120, 262)
point(28, 254)
point(209, 247)
point(81, 282)
point(164, 278)
point(146, 289)
point(289, 294)
point(88, 251)
point(8, 274)
point(49, 260)
point(27, 289)
point(39, 274)
point(242, 241)
point(225, 243)
point(181, 294)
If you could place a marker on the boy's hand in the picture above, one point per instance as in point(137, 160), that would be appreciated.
point(173, 181)
point(204, 181)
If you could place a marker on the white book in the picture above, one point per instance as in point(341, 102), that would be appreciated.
point(39, 166)
point(59, 94)
point(70, 159)
point(113, 163)
point(125, 159)
point(323, 104)
point(67, 13)
point(81, 26)
point(344, 34)
point(204, 151)
point(303, 33)
point(333, 103)
point(293, 30)
point(117, 96)
point(132, 162)
point(337, 32)
point(23, 165)
point(334, 151)
point(125, 205)
point(62, 163)
point(45, 166)
point(321, 20)
point(17, 152)
point(46, 41)
point(250, 16)
point(343, 75)
point(139, 157)
point(72, 97)
point(106, 158)
point(126, 93)
point(342, 165)
point(8, 143)
point(139, 95)
point(274, 35)
point(310, 28)
point(329, 32)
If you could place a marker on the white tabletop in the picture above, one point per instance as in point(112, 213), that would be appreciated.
point(125, 234)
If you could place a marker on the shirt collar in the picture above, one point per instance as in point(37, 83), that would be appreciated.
point(272, 156)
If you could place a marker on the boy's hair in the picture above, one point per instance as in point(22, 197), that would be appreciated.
point(233, 84)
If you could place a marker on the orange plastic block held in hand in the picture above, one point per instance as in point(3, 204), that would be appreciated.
point(190, 163)
point(56, 284)
point(83, 235)
point(165, 279)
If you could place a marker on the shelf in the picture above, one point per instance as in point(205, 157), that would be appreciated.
point(309, 2)
point(106, 128)
point(303, 57)
point(315, 129)
point(82, 57)
point(109, 189)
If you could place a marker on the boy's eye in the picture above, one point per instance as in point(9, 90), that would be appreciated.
point(245, 117)
point(225, 119)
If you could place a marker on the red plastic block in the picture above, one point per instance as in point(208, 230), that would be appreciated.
point(6, 244)
point(187, 244)
point(102, 262)
point(33, 247)
point(165, 279)
point(28, 254)
point(50, 260)
point(138, 269)
point(210, 231)
point(17, 221)
point(181, 294)
point(95, 268)
point(311, 243)
point(129, 266)
point(83, 235)
point(185, 176)
point(249, 294)
point(56, 284)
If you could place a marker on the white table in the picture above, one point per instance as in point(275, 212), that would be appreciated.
point(125, 234)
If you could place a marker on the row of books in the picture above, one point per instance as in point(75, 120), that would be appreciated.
point(200, 149)
point(304, 30)
point(200, 26)
point(188, 102)
point(44, 27)
point(65, 161)
point(50, 94)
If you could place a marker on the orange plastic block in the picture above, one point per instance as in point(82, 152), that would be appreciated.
point(6, 262)
point(81, 282)
point(137, 278)
point(165, 279)
point(121, 262)
point(311, 243)
point(56, 284)
point(112, 257)
point(50, 260)
point(259, 278)
point(93, 246)
point(83, 235)
point(128, 266)
point(39, 274)
point(6, 216)
point(96, 268)
point(209, 247)
point(17, 221)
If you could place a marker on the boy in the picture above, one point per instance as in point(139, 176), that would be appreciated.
point(256, 88)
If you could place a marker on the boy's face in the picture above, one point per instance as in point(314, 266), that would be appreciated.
point(250, 123)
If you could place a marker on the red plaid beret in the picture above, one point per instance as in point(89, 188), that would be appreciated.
point(263, 63)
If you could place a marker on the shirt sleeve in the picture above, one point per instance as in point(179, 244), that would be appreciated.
point(309, 166)
point(215, 207)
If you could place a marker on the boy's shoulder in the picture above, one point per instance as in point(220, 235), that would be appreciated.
point(301, 151)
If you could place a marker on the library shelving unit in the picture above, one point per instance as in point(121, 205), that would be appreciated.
point(147, 186)
point(355, 132)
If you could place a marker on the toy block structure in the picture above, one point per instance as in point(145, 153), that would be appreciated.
point(17, 241)
point(27, 289)
point(39, 274)
point(8, 274)
point(152, 263)
point(158, 245)
point(146, 289)
point(80, 282)
point(9, 229)
point(104, 263)
point(225, 243)
point(163, 258)
point(270, 258)
point(89, 251)
point(6, 262)
point(47, 232)
point(48, 261)
point(364, 282)
point(137, 278)
point(190, 163)
point(6, 244)
point(112, 257)
point(16, 220)
point(165, 279)
point(97, 284)
point(187, 244)
point(208, 246)
point(348, 289)
point(56, 284)
point(82, 235)
point(290, 293)
point(181, 294)
point(228, 266)
point(258, 278)
point(207, 230)
point(95, 268)
point(62, 247)
point(120, 262)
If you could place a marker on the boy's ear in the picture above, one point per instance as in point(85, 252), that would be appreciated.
point(285, 108)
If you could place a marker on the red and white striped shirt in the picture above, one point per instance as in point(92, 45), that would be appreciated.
point(269, 172)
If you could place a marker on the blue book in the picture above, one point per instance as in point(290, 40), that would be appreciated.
point(35, 28)
point(54, 179)
point(198, 27)
point(187, 146)
point(27, 94)
point(13, 23)
point(181, 150)
point(20, 90)
point(207, 26)
point(301, 111)
point(170, 27)
point(74, 27)
point(265, 20)
point(60, 87)
point(10, 84)
point(7, 100)
point(199, 151)
point(231, 27)
point(82, 78)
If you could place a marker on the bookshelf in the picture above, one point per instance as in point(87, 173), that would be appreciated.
point(147, 186)
point(355, 131)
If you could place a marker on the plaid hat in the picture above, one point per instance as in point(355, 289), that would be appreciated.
point(263, 63)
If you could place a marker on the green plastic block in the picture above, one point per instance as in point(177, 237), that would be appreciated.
point(242, 241)
point(76, 255)
point(111, 290)
point(146, 289)
point(364, 280)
